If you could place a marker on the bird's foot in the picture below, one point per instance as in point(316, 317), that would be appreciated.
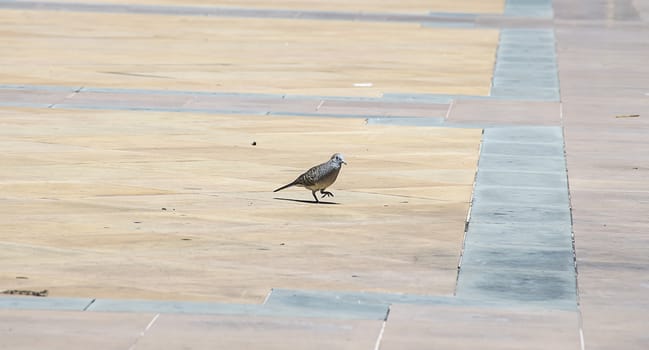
point(326, 193)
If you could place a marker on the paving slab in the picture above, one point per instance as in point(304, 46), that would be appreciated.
point(523, 163)
point(178, 200)
point(523, 234)
point(425, 327)
point(40, 98)
point(26, 329)
point(528, 197)
point(279, 306)
point(384, 109)
point(91, 190)
point(237, 332)
point(505, 112)
point(497, 261)
point(250, 55)
point(43, 303)
point(602, 74)
point(309, 298)
point(520, 149)
point(200, 101)
point(165, 306)
point(540, 180)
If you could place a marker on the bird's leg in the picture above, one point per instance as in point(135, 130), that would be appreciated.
point(326, 193)
point(314, 196)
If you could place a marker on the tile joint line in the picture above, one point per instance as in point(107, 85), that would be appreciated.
point(377, 345)
point(89, 304)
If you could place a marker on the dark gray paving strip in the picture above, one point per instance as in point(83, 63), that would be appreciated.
point(315, 308)
point(529, 8)
point(234, 12)
point(220, 103)
point(280, 303)
point(39, 303)
point(526, 65)
point(518, 245)
point(530, 14)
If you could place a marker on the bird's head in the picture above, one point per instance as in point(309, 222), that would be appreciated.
point(338, 159)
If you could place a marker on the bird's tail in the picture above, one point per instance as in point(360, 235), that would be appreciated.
point(285, 186)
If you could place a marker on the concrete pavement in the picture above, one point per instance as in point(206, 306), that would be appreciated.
point(494, 198)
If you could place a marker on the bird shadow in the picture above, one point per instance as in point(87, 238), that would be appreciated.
point(305, 201)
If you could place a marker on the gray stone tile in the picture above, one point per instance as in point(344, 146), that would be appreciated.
point(291, 296)
point(522, 196)
point(32, 97)
point(524, 68)
point(533, 150)
point(46, 303)
point(382, 108)
point(430, 98)
point(548, 59)
point(493, 256)
point(525, 82)
point(328, 304)
point(524, 134)
point(157, 306)
point(522, 179)
point(550, 236)
point(533, 93)
point(519, 286)
point(281, 304)
point(123, 100)
point(439, 121)
point(495, 213)
point(522, 163)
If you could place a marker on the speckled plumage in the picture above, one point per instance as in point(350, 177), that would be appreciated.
point(319, 177)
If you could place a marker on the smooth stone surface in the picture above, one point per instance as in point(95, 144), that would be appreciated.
point(522, 196)
point(406, 121)
point(493, 256)
point(522, 163)
point(524, 134)
point(522, 149)
point(27, 329)
point(494, 213)
point(43, 303)
point(539, 234)
point(243, 54)
point(475, 327)
point(494, 112)
point(540, 287)
point(184, 204)
point(286, 297)
point(522, 179)
point(247, 332)
point(159, 306)
point(527, 195)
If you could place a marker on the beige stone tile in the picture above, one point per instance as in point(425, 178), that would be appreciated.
point(83, 196)
point(457, 327)
point(248, 332)
point(69, 330)
point(248, 55)
point(614, 322)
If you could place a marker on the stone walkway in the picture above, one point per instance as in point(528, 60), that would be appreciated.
point(495, 195)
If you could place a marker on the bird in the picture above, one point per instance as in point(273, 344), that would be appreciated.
point(319, 177)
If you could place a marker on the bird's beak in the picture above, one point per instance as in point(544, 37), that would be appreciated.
point(344, 162)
